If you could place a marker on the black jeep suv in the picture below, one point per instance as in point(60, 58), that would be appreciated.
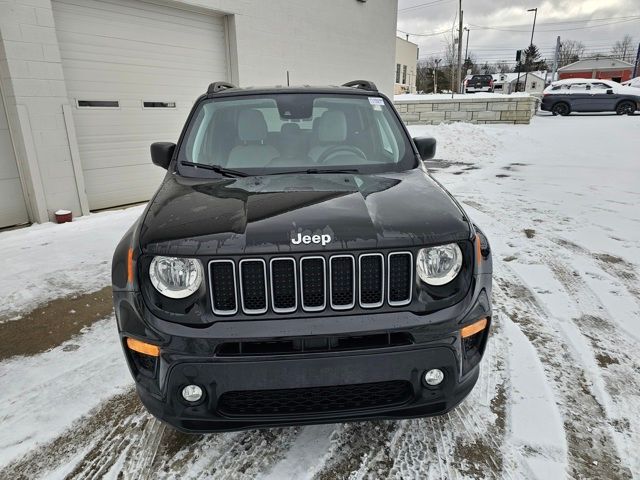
point(299, 265)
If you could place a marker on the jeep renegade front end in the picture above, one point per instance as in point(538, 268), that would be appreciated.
point(299, 265)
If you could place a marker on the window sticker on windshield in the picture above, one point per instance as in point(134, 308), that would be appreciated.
point(376, 101)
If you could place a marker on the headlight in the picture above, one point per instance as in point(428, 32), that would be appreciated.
point(439, 265)
point(175, 277)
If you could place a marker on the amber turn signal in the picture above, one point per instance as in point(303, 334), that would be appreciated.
point(478, 250)
point(142, 347)
point(130, 267)
point(474, 328)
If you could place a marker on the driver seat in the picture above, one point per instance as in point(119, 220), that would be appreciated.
point(252, 152)
point(331, 131)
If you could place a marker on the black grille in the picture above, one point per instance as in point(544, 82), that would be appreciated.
point(254, 298)
point(296, 401)
point(342, 291)
point(223, 287)
point(400, 277)
point(371, 280)
point(283, 284)
point(313, 283)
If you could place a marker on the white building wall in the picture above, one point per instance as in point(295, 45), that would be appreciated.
point(34, 89)
point(319, 42)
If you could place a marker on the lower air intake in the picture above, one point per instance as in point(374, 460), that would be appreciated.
point(297, 401)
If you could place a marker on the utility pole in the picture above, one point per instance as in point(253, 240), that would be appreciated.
point(435, 76)
point(459, 78)
point(466, 49)
point(636, 67)
point(555, 59)
point(535, 15)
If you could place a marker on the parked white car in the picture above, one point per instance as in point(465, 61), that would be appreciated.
point(634, 82)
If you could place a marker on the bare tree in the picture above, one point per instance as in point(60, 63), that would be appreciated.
point(623, 49)
point(427, 69)
point(450, 59)
point(502, 67)
point(570, 51)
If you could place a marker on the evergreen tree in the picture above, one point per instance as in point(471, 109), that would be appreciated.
point(532, 60)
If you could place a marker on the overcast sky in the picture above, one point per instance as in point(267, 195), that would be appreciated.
point(499, 27)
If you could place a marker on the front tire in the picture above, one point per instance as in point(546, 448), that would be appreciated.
point(561, 108)
point(625, 108)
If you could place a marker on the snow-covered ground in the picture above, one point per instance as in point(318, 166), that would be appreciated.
point(559, 393)
point(407, 97)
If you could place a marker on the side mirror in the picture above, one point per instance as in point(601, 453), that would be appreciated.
point(161, 153)
point(426, 147)
point(610, 91)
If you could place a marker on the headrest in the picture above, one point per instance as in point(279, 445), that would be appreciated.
point(290, 129)
point(332, 127)
point(251, 126)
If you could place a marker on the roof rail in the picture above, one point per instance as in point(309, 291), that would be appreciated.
point(362, 84)
point(217, 87)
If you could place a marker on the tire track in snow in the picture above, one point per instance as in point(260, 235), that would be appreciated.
point(591, 449)
point(614, 371)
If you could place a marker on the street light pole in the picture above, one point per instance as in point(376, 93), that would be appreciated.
point(435, 76)
point(458, 78)
point(535, 16)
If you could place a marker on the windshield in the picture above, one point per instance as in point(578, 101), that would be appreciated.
point(263, 134)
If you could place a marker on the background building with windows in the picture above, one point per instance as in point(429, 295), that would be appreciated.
point(87, 85)
point(406, 66)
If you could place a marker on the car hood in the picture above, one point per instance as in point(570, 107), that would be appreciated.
point(263, 214)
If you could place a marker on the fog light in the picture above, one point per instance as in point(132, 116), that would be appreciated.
point(192, 393)
point(434, 377)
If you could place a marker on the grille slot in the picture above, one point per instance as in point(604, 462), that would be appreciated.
point(371, 280)
point(222, 274)
point(283, 285)
point(312, 283)
point(314, 344)
point(400, 272)
point(253, 286)
point(314, 400)
point(342, 285)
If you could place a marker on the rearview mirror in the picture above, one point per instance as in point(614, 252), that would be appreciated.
point(610, 91)
point(426, 147)
point(161, 153)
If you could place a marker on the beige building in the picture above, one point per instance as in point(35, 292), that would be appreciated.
point(87, 85)
point(406, 66)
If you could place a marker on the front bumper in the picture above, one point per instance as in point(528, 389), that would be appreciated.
point(328, 385)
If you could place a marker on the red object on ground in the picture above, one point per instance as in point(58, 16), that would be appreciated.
point(63, 216)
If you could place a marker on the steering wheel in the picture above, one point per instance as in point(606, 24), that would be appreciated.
point(331, 151)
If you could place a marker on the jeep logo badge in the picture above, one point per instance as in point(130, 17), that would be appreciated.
point(307, 239)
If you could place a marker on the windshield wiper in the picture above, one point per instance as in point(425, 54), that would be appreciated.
point(227, 172)
point(318, 170)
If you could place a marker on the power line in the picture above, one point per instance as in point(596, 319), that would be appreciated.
point(424, 34)
point(572, 21)
point(423, 5)
point(480, 27)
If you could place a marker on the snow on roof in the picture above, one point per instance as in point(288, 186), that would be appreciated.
point(512, 77)
point(600, 63)
point(571, 81)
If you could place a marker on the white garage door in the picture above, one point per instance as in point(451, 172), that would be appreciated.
point(13, 210)
point(133, 70)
